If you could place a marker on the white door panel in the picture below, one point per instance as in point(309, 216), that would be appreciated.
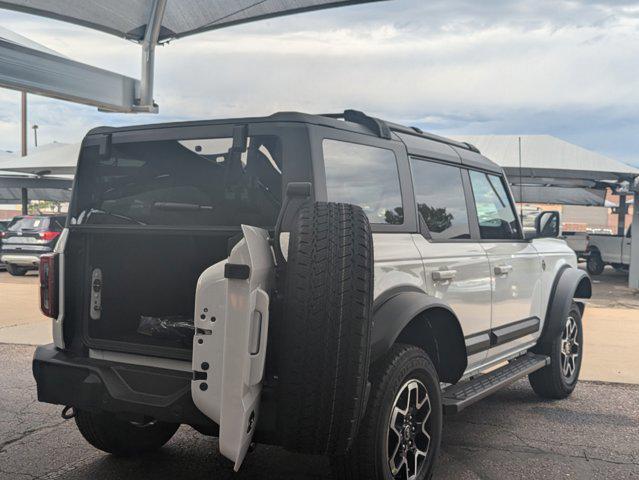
point(459, 273)
point(229, 347)
point(517, 287)
point(397, 262)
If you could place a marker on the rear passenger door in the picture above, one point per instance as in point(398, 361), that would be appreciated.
point(515, 266)
point(456, 266)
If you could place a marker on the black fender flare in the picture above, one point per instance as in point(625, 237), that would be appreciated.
point(570, 283)
point(395, 309)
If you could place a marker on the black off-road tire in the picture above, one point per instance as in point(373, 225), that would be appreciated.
point(16, 271)
point(550, 382)
point(595, 265)
point(324, 334)
point(368, 458)
point(110, 434)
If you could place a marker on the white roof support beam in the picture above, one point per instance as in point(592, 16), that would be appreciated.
point(42, 73)
point(151, 36)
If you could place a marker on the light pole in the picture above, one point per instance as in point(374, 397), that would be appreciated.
point(35, 134)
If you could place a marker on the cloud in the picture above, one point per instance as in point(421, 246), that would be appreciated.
point(559, 67)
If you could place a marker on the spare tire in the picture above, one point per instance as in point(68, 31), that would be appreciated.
point(324, 347)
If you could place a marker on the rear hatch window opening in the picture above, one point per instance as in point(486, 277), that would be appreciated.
point(194, 182)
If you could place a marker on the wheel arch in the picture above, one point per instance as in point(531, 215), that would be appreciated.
point(569, 284)
point(408, 315)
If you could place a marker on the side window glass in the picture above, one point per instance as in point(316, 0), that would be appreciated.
point(365, 176)
point(439, 193)
point(497, 219)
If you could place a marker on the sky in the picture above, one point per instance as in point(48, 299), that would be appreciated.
point(560, 67)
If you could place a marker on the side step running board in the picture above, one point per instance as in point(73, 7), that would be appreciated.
point(457, 397)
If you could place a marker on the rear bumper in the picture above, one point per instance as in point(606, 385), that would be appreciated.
point(129, 390)
point(21, 260)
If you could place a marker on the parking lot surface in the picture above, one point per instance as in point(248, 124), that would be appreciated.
point(511, 435)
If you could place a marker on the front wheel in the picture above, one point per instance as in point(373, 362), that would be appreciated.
point(400, 435)
point(559, 379)
point(119, 437)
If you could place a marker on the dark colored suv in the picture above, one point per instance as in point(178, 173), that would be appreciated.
point(27, 238)
point(4, 224)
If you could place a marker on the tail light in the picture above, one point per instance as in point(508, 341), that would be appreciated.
point(48, 236)
point(49, 284)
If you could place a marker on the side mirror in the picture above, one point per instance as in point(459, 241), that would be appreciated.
point(547, 225)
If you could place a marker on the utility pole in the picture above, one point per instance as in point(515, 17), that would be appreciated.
point(23, 133)
point(35, 134)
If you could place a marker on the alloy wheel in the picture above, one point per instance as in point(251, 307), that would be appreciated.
point(409, 437)
point(570, 349)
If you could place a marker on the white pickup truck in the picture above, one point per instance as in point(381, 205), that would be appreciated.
point(608, 250)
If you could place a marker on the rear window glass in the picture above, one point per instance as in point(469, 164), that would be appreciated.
point(29, 223)
point(441, 202)
point(199, 182)
point(36, 224)
point(365, 176)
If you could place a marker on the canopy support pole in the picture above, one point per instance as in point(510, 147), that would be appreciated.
point(633, 277)
point(25, 201)
point(621, 213)
point(149, 43)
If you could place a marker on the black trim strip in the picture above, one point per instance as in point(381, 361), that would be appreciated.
point(482, 341)
point(513, 331)
point(478, 343)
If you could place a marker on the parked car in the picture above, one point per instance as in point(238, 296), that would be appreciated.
point(4, 224)
point(331, 284)
point(27, 238)
point(608, 250)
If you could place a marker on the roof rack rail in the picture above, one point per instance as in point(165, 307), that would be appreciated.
point(377, 126)
point(384, 129)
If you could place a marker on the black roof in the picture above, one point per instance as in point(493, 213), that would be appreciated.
point(416, 140)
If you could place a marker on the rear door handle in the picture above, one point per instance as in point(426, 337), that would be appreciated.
point(503, 269)
point(443, 275)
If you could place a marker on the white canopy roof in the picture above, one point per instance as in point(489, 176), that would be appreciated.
point(553, 170)
point(50, 159)
point(545, 155)
point(129, 18)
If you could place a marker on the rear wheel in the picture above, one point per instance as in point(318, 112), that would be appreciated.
point(595, 264)
point(119, 437)
point(559, 379)
point(401, 433)
point(16, 271)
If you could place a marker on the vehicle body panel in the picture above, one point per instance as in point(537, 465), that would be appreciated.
point(229, 347)
point(517, 291)
point(468, 291)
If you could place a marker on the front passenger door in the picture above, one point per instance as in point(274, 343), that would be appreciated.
point(515, 267)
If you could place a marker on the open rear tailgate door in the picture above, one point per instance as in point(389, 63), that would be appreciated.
point(229, 346)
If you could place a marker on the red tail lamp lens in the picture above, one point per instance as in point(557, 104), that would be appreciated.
point(49, 284)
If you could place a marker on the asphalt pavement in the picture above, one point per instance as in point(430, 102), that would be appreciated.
point(511, 435)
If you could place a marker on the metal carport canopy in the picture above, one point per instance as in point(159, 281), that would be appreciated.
point(148, 22)
point(551, 170)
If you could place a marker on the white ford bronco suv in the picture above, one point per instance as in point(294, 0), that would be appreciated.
point(334, 284)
